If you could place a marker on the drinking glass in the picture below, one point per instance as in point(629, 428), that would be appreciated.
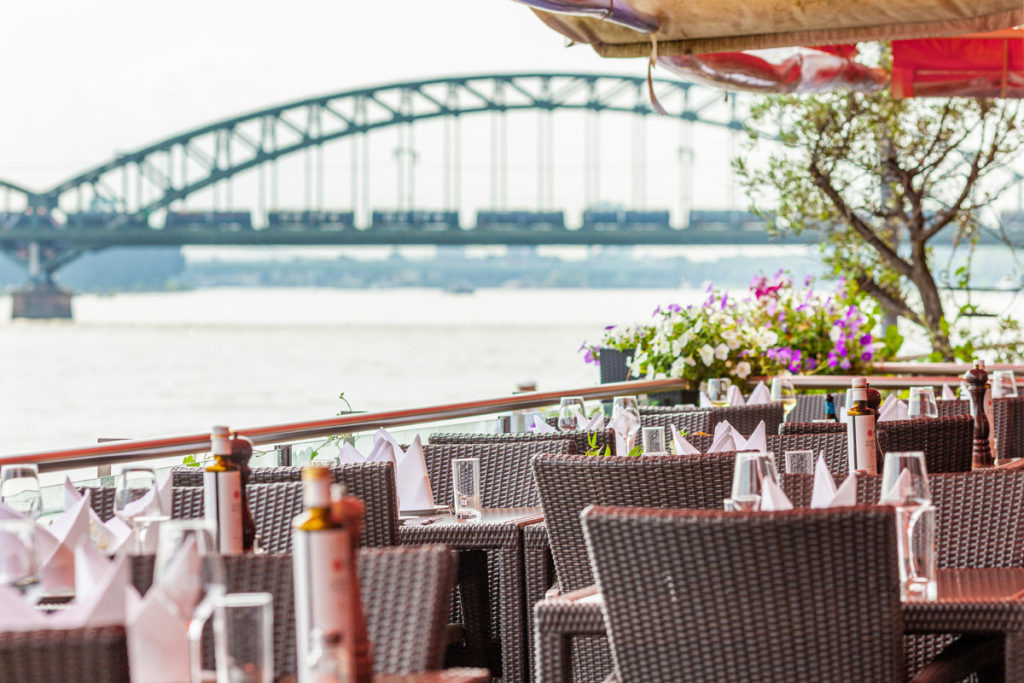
point(569, 409)
point(905, 485)
point(922, 402)
point(19, 489)
point(1004, 384)
point(653, 440)
point(19, 566)
point(799, 462)
point(466, 486)
point(784, 392)
point(627, 405)
point(718, 391)
point(243, 633)
point(133, 484)
point(200, 587)
point(748, 476)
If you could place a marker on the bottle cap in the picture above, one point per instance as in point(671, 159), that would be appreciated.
point(859, 382)
point(220, 443)
point(316, 472)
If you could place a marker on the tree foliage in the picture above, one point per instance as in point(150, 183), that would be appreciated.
point(882, 178)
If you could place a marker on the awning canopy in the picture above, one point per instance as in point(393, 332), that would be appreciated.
point(988, 65)
point(706, 26)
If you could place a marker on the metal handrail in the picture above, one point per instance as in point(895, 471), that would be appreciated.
point(114, 452)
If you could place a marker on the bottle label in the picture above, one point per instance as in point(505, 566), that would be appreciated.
point(320, 559)
point(860, 434)
point(222, 501)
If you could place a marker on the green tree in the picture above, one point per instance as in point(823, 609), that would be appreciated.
point(882, 178)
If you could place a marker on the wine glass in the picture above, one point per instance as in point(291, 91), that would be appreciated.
point(784, 391)
point(189, 591)
point(570, 408)
point(718, 391)
point(922, 403)
point(19, 489)
point(905, 486)
point(748, 477)
point(1004, 384)
point(627, 405)
point(910, 488)
point(137, 503)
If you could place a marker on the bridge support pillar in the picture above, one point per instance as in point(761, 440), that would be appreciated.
point(41, 300)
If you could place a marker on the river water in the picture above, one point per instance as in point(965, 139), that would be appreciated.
point(138, 365)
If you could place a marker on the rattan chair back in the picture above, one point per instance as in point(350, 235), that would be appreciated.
point(809, 407)
point(1008, 426)
point(744, 418)
point(945, 441)
point(581, 439)
point(688, 422)
point(952, 406)
point(506, 479)
point(694, 595)
point(69, 655)
point(569, 483)
point(831, 445)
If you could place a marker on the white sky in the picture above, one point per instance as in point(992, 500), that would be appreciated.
point(86, 80)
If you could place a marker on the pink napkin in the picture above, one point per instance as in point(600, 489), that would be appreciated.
point(892, 409)
point(596, 422)
point(901, 492)
point(414, 492)
point(540, 425)
point(683, 447)
point(760, 395)
point(735, 396)
point(825, 495)
point(947, 393)
point(773, 498)
point(705, 401)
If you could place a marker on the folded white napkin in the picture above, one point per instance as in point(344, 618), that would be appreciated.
point(596, 422)
point(757, 440)
point(772, 497)
point(825, 495)
point(683, 447)
point(760, 395)
point(540, 425)
point(157, 635)
point(622, 424)
point(99, 597)
point(947, 393)
point(55, 545)
point(413, 483)
point(893, 409)
point(103, 538)
point(735, 396)
point(901, 492)
point(705, 400)
point(726, 439)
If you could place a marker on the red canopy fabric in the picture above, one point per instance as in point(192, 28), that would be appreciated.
point(971, 65)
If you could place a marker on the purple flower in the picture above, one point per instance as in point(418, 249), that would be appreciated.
point(808, 280)
point(811, 362)
point(845, 364)
point(656, 311)
point(608, 328)
point(866, 356)
point(866, 339)
point(725, 298)
point(675, 308)
point(833, 360)
point(794, 366)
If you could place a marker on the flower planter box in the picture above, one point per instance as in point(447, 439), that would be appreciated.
point(613, 369)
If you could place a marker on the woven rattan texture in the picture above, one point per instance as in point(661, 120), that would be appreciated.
point(687, 422)
point(559, 624)
point(950, 407)
point(832, 445)
point(1008, 423)
point(581, 438)
point(101, 499)
point(945, 441)
point(809, 407)
point(405, 594)
point(538, 571)
point(718, 609)
point(505, 476)
point(794, 427)
point(64, 656)
point(743, 418)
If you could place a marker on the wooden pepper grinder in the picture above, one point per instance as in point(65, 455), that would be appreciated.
point(976, 379)
point(349, 511)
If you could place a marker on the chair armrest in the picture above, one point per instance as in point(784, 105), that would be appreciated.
point(556, 621)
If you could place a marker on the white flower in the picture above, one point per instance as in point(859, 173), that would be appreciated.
point(742, 369)
point(721, 352)
point(678, 367)
point(689, 360)
point(732, 338)
point(769, 337)
point(707, 354)
point(677, 347)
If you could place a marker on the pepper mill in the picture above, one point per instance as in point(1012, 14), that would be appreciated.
point(358, 663)
point(976, 379)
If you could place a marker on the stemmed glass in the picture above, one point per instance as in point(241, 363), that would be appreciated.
point(569, 409)
point(190, 592)
point(748, 478)
point(19, 490)
point(718, 391)
point(627, 405)
point(1004, 384)
point(784, 391)
point(133, 484)
point(922, 403)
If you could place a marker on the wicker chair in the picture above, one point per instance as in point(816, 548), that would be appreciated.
point(794, 427)
point(743, 418)
point(59, 656)
point(809, 407)
point(405, 593)
point(569, 483)
point(832, 445)
point(581, 439)
point(709, 609)
point(950, 407)
point(506, 479)
point(686, 421)
point(1008, 426)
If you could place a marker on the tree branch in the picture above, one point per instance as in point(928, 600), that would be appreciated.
point(897, 306)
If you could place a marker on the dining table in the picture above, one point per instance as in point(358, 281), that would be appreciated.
point(968, 601)
point(499, 533)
